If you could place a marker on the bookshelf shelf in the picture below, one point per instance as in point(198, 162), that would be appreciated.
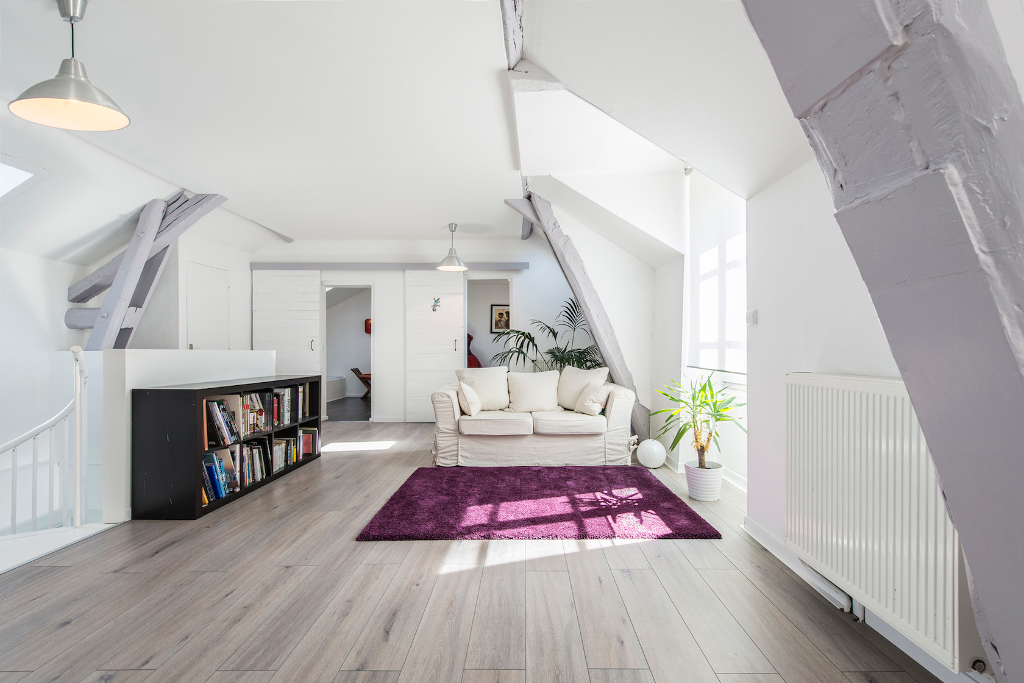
point(173, 429)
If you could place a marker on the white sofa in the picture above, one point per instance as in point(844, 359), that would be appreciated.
point(556, 436)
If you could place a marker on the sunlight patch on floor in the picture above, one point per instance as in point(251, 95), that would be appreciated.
point(350, 446)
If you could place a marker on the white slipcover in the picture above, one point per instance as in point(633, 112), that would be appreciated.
point(491, 450)
point(496, 423)
point(567, 422)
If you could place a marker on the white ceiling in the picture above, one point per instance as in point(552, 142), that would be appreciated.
point(689, 75)
point(317, 119)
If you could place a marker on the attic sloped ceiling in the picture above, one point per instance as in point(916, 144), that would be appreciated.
point(689, 75)
point(319, 120)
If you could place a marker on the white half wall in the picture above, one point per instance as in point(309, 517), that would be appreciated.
point(814, 315)
point(347, 344)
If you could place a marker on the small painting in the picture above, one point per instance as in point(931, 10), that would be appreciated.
point(501, 318)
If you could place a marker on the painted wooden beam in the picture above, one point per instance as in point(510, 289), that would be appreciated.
point(81, 318)
point(182, 212)
point(108, 322)
point(527, 229)
point(583, 289)
point(140, 297)
point(512, 22)
point(475, 265)
point(524, 207)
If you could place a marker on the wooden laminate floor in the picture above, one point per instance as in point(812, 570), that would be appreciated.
point(273, 588)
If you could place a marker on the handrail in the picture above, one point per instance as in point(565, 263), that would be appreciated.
point(54, 467)
point(52, 422)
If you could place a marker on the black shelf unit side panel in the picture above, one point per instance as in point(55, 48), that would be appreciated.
point(166, 443)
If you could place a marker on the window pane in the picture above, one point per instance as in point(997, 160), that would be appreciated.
point(736, 305)
point(708, 307)
point(708, 261)
point(735, 360)
point(708, 359)
point(736, 248)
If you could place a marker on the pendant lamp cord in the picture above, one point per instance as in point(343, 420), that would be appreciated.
point(72, 39)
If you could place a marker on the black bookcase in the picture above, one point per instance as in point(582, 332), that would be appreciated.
point(169, 440)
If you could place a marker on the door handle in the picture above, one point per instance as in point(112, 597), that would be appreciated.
point(311, 345)
point(456, 347)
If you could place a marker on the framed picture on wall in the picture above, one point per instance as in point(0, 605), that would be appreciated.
point(501, 319)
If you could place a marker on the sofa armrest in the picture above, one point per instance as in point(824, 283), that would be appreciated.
point(446, 409)
point(619, 409)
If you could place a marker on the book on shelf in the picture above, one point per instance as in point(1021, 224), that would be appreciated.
point(213, 475)
point(283, 407)
point(255, 418)
point(221, 429)
point(307, 441)
point(303, 389)
point(209, 493)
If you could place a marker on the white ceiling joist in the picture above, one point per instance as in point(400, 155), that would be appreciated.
point(512, 22)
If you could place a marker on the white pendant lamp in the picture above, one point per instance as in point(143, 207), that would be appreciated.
point(69, 100)
point(452, 262)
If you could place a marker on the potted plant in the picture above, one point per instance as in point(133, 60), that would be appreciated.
point(701, 409)
point(523, 347)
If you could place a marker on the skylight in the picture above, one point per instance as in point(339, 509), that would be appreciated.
point(11, 177)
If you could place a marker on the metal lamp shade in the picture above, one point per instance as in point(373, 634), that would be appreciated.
point(452, 262)
point(69, 101)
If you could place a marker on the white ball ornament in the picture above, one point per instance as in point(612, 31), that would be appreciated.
point(651, 454)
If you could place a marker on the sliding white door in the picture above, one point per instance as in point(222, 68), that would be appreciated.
point(435, 337)
point(286, 318)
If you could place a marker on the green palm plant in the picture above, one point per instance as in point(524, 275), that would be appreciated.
point(523, 347)
point(701, 409)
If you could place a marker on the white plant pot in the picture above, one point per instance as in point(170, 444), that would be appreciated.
point(704, 484)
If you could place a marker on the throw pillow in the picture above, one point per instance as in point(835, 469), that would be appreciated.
point(530, 392)
point(489, 383)
point(468, 399)
point(593, 399)
point(573, 381)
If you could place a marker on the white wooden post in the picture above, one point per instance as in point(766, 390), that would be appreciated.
point(76, 351)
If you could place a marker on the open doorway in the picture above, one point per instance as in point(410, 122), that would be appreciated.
point(488, 312)
point(349, 384)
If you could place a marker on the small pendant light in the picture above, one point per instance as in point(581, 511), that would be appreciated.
point(69, 100)
point(452, 262)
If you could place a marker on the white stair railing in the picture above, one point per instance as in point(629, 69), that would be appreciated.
point(44, 441)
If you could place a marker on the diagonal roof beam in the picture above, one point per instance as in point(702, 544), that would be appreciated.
point(512, 22)
point(583, 289)
point(182, 213)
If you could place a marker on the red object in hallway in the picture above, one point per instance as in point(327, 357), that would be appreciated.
point(471, 360)
point(366, 325)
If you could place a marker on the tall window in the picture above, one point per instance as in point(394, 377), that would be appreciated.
point(718, 323)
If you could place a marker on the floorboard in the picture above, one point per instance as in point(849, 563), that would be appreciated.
point(274, 588)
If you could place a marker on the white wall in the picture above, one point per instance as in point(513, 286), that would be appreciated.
point(814, 315)
point(478, 318)
point(33, 299)
point(347, 344)
point(626, 287)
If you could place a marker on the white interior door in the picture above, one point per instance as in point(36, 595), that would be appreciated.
point(207, 306)
point(435, 337)
point(286, 312)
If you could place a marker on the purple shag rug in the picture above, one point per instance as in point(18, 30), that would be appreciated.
point(454, 503)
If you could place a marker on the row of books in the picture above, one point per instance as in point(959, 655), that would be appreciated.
point(221, 429)
point(255, 418)
point(282, 406)
point(230, 470)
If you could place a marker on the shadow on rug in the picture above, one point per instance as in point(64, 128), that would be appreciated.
point(455, 503)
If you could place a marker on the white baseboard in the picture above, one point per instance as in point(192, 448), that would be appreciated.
point(832, 593)
point(387, 419)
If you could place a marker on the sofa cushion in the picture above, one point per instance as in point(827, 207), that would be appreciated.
point(469, 400)
point(573, 381)
point(532, 391)
point(496, 423)
point(593, 399)
point(489, 383)
point(564, 422)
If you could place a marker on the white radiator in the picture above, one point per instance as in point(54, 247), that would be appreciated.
point(865, 510)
